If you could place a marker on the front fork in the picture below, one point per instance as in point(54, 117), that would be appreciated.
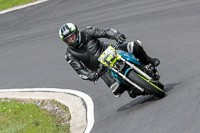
point(123, 76)
point(126, 79)
point(136, 69)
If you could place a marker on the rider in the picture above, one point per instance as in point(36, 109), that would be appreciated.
point(84, 48)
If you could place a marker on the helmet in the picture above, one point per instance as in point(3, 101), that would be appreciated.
point(69, 33)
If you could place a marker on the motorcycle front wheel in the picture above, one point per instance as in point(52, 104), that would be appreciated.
point(148, 87)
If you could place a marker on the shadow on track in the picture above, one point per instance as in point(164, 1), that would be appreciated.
point(143, 99)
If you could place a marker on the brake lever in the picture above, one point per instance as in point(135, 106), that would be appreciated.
point(96, 80)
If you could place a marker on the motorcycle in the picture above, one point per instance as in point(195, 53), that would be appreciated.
point(127, 70)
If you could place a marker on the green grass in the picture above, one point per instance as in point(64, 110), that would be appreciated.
point(5, 4)
point(20, 117)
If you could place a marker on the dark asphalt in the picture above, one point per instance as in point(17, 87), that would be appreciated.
point(32, 55)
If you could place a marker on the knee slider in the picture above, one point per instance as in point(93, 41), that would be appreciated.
point(114, 87)
point(130, 46)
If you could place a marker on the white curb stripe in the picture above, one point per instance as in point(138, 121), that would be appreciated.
point(22, 6)
point(85, 97)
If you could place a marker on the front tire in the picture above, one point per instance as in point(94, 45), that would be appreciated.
point(148, 87)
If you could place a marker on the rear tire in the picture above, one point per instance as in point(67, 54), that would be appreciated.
point(148, 87)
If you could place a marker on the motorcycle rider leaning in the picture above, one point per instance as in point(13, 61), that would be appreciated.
point(84, 48)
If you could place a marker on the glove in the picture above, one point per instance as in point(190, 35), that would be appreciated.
point(93, 76)
point(120, 38)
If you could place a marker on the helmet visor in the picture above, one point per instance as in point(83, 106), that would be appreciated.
point(71, 39)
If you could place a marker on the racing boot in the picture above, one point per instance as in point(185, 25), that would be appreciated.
point(137, 49)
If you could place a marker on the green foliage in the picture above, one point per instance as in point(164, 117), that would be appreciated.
point(4, 4)
point(16, 116)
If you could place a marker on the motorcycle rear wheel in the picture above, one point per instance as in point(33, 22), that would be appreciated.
point(148, 87)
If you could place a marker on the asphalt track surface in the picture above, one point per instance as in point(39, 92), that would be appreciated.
point(32, 56)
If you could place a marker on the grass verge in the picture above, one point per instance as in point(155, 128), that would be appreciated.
point(32, 117)
point(5, 4)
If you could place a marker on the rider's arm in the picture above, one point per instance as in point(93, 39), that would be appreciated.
point(100, 33)
point(83, 72)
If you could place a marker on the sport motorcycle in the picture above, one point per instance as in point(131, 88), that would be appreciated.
point(129, 71)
